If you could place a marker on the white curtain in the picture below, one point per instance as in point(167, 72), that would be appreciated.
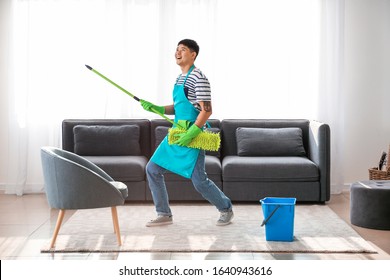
point(264, 59)
point(331, 103)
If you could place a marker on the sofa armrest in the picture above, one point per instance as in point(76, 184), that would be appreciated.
point(319, 153)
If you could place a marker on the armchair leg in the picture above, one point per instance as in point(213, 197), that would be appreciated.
point(115, 220)
point(60, 218)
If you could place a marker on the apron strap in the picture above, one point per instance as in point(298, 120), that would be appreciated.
point(189, 72)
point(185, 79)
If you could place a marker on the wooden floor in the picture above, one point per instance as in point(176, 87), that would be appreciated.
point(27, 223)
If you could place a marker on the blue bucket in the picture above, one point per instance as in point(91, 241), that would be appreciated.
point(278, 218)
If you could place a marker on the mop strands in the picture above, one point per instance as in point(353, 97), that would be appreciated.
point(206, 140)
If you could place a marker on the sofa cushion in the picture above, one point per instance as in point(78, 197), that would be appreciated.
point(160, 133)
point(122, 168)
point(104, 140)
point(269, 141)
point(268, 169)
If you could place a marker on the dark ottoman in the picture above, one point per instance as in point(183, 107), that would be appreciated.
point(370, 204)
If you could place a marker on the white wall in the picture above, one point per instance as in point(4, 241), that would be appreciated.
point(366, 85)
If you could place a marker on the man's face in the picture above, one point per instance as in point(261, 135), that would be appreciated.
point(184, 56)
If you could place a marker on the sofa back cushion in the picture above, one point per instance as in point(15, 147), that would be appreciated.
point(269, 141)
point(102, 140)
point(159, 133)
point(144, 128)
point(229, 127)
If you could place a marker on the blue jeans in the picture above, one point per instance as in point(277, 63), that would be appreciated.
point(206, 187)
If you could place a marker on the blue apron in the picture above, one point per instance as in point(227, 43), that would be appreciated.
point(178, 159)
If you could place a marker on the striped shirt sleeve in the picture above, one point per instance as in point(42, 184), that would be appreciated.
point(197, 87)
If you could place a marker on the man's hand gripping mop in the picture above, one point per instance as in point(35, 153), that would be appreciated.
point(182, 133)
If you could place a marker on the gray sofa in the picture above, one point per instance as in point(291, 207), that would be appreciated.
point(258, 158)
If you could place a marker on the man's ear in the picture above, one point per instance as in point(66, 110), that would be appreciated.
point(194, 55)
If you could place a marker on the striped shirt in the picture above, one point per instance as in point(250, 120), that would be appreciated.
point(196, 88)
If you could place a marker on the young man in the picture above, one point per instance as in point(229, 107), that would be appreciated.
point(191, 102)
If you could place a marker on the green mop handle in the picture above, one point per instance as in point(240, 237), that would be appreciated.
point(131, 95)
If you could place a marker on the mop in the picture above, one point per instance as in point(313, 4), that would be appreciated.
point(206, 140)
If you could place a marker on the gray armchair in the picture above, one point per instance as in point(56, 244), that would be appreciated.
point(72, 182)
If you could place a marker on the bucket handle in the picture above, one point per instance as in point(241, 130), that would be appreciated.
point(269, 217)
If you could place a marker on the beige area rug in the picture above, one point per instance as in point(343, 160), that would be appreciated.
point(317, 229)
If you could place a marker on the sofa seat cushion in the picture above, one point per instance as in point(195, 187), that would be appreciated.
point(213, 165)
point(122, 168)
point(269, 169)
point(213, 169)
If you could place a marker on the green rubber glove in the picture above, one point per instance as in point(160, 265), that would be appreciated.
point(149, 106)
point(186, 138)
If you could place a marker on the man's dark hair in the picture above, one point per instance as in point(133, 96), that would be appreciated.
point(191, 44)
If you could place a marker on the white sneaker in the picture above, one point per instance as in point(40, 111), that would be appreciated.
point(225, 218)
point(160, 221)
